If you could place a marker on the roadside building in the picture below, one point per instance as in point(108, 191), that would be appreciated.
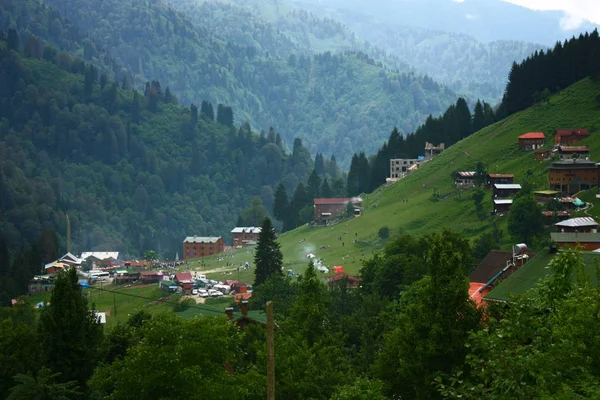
point(465, 179)
point(503, 179)
point(202, 246)
point(532, 140)
point(71, 260)
point(544, 196)
point(568, 137)
point(502, 190)
point(150, 277)
point(584, 241)
point(244, 236)
point(185, 281)
point(123, 276)
point(572, 176)
point(55, 267)
point(326, 209)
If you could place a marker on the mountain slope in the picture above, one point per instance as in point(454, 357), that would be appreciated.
point(408, 206)
point(133, 171)
point(336, 104)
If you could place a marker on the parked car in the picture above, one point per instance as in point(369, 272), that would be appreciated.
point(203, 293)
point(194, 291)
point(214, 293)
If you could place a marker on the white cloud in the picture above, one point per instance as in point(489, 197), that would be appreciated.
point(576, 11)
point(471, 17)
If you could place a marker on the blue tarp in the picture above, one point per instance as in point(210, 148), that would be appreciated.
point(84, 284)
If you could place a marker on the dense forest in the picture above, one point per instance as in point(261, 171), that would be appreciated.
point(410, 331)
point(133, 170)
point(544, 73)
point(310, 97)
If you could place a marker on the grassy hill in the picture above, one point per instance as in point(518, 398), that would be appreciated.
point(408, 206)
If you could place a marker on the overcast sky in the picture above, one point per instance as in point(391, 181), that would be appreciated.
point(576, 11)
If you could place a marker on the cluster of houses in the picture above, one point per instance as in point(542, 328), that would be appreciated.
point(204, 246)
point(570, 173)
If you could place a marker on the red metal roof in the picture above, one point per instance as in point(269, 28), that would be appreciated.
point(574, 148)
point(184, 276)
point(533, 135)
point(567, 132)
point(148, 273)
point(338, 200)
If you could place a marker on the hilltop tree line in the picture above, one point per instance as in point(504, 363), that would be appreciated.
point(547, 72)
point(133, 170)
point(368, 173)
point(409, 331)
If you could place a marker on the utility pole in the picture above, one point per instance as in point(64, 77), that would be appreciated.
point(114, 305)
point(68, 234)
point(270, 353)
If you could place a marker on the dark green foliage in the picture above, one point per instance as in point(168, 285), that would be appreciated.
point(268, 259)
point(384, 232)
point(305, 100)
point(359, 174)
point(525, 219)
point(69, 333)
point(254, 214)
point(44, 386)
point(281, 204)
point(543, 73)
point(121, 165)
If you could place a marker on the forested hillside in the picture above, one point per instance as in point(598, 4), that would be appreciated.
point(335, 103)
point(133, 170)
point(470, 65)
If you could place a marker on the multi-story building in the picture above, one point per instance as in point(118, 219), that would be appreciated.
point(327, 209)
point(399, 167)
point(244, 236)
point(568, 137)
point(572, 176)
point(202, 246)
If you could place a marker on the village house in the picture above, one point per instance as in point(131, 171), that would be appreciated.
point(502, 206)
point(465, 179)
point(123, 276)
point(432, 151)
point(544, 196)
point(185, 281)
point(150, 277)
point(41, 284)
point(71, 260)
point(551, 217)
point(532, 140)
point(568, 137)
point(543, 154)
point(100, 258)
point(570, 152)
point(244, 236)
point(503, 179)
point(55, 267)
point(202, 246)
point(501, 190)
point(326, 209)
point(572, 176)
point(581, 225)
point(570, 203)
point(351, 281)
point(577, 232)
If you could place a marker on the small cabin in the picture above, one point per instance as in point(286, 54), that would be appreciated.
point(503, 179)
point(465, 179)
point(532, 140)
point(502, 206)
point(579, 225)
point(568, 152)
point(505, 190)
point(568, 137)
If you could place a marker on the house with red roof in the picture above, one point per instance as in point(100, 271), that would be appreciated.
point(326, 209)
point(185, 280)
point(339, 278)
point(532, 140)
point(568, 137)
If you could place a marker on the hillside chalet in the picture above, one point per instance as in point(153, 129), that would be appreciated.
point(244, 236)
point(503, 179)
point(465, 179)
point(327, 209)
point(568, 137)
point(202, 246)
point(532, 140)
point(501, 190)
point(502, 206)
point(572, 176)
point(577, 232)
point(567, 152)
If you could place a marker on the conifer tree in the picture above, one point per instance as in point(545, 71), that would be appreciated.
point(326, 189)
point(313, 188)
point(69, 332)
point(268, 258)
point(280, 204)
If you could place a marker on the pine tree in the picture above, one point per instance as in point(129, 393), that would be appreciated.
point(268, 258)
point(313, 188)
point(69, 332)
point(319, 164)
point(280, 204)
point(478, 117)
point(326, 191)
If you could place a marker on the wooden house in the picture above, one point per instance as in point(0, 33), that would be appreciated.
point(543, 154)
point(505, 190)
point(465, 179)
point(504, 179)
point(202, 246)
point(340, 278)
point(185, 281)
point(150, 277)
point(326, 209)
point(572, 176)
point(579, 225)
point(242, 236)
point(532, 140)
point(568, 137)
point(570, 152)
point(502, 206)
